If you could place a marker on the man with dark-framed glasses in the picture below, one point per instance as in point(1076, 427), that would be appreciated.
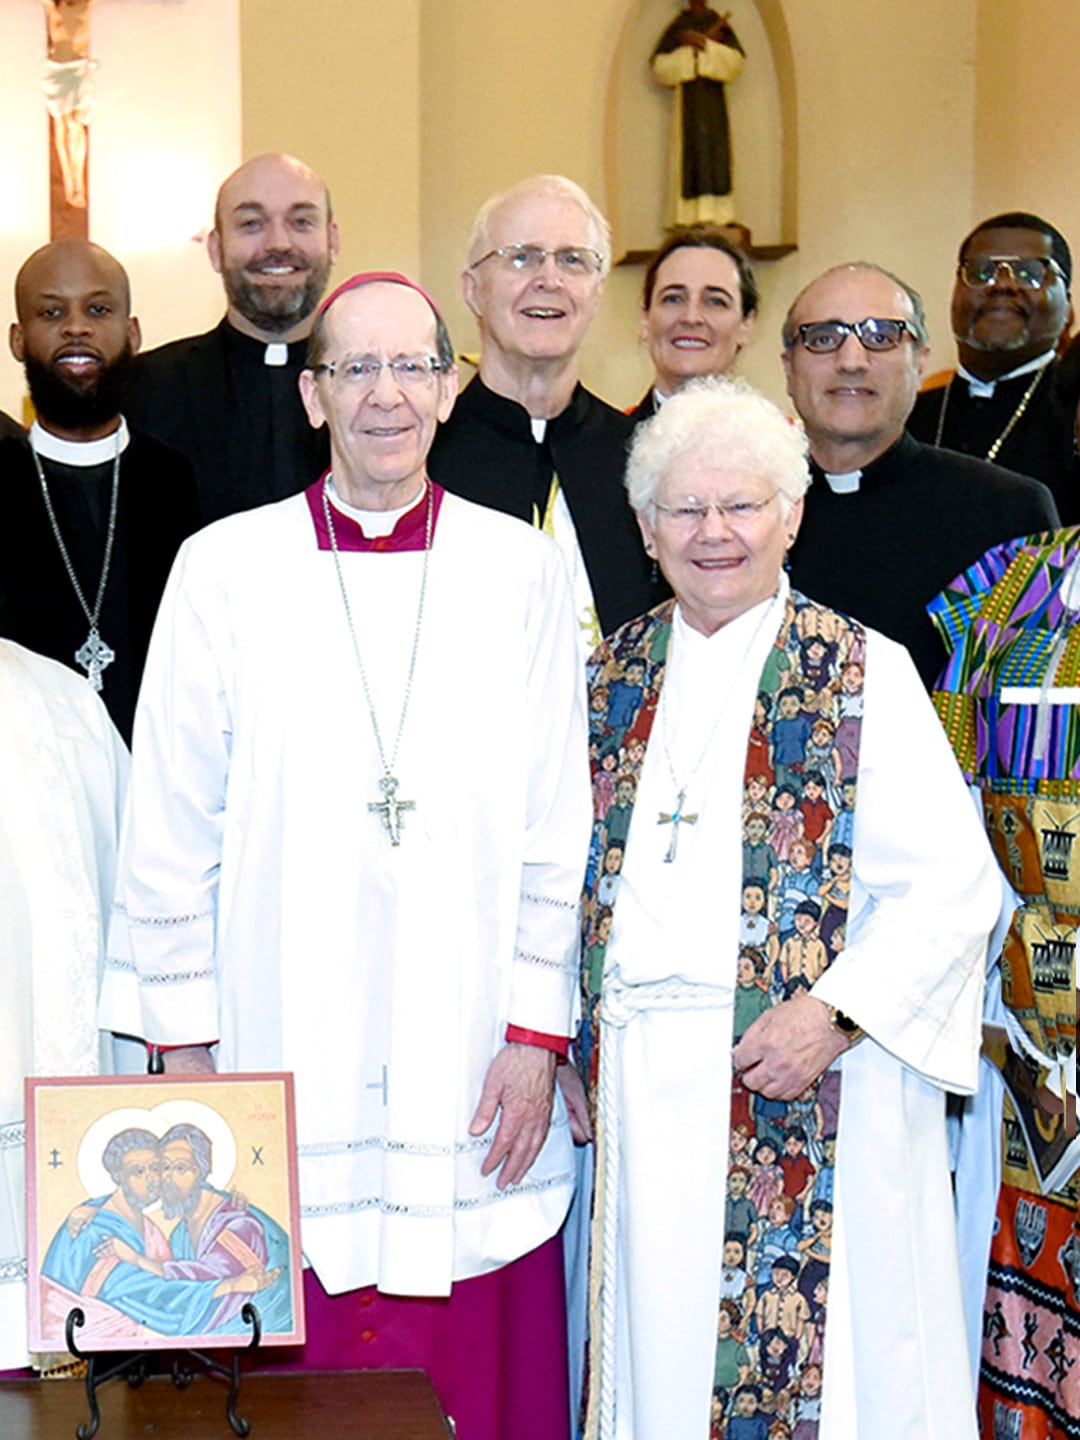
point(887, 518)
point(1010, 306)
point(526, 437)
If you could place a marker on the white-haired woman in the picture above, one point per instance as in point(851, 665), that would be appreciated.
point(867, 1047)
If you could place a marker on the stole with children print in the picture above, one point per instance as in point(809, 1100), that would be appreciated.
point(783, 1330)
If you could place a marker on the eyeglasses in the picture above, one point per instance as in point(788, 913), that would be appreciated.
point(693, 513)
point(574, 260)
point(823, 337)
point(411, 372)
point(1030, 272)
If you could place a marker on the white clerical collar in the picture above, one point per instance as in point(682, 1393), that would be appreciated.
point(276, 353)
point(658, 400)
point(374, 523)
point(984, 389)
point(846, 484)
point(78, 452)
point(539, 429)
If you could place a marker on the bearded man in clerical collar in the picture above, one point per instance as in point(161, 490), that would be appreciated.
point(75, 336)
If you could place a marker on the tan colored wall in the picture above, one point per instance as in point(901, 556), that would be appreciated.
point(913, 121)
point(508, 90)
point(336, 82)
point(1027, 127)
point(886, 133)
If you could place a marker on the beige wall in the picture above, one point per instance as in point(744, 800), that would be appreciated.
point(424, 108)
point(914, 120)
point(1027, 127)
point(337, 82)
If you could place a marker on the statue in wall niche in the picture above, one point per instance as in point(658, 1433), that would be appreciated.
point(697, 55)
point(68, 83)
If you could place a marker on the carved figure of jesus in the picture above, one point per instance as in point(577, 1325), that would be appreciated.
point(69, 89)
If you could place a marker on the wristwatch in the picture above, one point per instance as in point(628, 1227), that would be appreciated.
point(851, 1031)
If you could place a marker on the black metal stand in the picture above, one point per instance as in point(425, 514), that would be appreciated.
point(134, 1370)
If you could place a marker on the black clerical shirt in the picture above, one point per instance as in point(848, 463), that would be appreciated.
point(919, 518)
point(239, 420)
point(156, 511)
point(486, 452)
point(1039, 444)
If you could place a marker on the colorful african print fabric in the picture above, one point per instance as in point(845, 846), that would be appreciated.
point(797, 823)
point(1009, 701)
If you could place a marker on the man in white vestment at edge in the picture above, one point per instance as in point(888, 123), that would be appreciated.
point(359, 820)
point(62, 773)
point(717, 481)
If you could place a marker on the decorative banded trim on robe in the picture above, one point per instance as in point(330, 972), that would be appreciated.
point(461, 1203)
point(13, 1134)
point(163, 921)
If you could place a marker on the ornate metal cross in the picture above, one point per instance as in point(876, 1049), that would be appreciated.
point(390, 808)
point(93, 655)
point(675, 819)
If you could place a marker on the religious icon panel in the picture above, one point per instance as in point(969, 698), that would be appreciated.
point(163, 1212)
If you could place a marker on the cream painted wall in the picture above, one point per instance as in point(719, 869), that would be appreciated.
point(879, 86)
point(1027, 132)
point(886, 112)
point(509, 90)
point(337, 82)
point(914, 120)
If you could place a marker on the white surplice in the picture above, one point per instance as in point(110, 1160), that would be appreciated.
point(62, 772)
point(261, 903)
point(925, 894)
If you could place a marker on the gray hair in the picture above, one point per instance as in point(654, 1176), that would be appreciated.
point(918, 310)
point(480, 239)
point(121, 1144)
point(723, 420)
point(197, 1139)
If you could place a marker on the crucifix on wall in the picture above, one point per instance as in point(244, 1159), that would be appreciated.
point(69, 98)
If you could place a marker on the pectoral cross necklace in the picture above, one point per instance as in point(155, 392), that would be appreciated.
point(390, 809)
point(678, 815)
point(93, 654)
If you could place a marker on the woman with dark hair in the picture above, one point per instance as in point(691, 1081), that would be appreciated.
point(698, 306)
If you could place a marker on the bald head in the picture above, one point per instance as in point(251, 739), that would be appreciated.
point(75, 336)
point(60, 263)
point(273, 243)
point(273, 168)
point(848, 270)
point(855, 395)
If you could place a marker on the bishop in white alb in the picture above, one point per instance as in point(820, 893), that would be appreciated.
point(264, 906)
